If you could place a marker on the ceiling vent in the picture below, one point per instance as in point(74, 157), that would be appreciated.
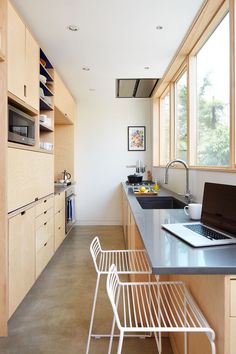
point(135, 88)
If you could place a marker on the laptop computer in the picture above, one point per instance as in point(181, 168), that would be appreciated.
point(217, 226)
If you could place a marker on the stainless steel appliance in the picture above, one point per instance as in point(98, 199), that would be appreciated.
point(21, 127)
point(66, 176)
point(70, 208)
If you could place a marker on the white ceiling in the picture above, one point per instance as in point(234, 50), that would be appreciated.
point(116, 39)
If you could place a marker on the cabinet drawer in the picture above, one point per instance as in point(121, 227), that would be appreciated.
point(46, 204)
point(59, 235)
point(59, 201)
point(44, 233)
point(60, 218)
point(44, 255)
point(233, 298)
point(43, 218)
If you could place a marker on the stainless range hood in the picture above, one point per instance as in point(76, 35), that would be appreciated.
point(135, 88)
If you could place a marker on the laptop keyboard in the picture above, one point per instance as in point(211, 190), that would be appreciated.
point(206, 232)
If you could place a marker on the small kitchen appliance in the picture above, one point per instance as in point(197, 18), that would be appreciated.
point(66, 176)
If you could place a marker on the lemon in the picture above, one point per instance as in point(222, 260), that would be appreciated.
point(142, 189)
point(155, 187)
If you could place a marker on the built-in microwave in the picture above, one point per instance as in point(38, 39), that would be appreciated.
point(21, 127)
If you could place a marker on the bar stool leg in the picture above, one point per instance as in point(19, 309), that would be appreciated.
point(93, 312)
point(112, 335)
point(120, 342)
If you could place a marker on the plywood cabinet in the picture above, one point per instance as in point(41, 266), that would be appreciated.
point(31, 71)
point(21, 256)
point(23, 61)
point(64, 102)
point(16, 53)
point(44, 225)
point(30, 177)
point(59, 219)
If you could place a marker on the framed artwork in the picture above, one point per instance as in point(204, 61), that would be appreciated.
point(136, 138)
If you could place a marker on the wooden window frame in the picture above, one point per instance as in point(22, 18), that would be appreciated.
point(164, 94)
point(183, 69)
point(207, 20)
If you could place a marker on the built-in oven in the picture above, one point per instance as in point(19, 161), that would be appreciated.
point(21, 126)
point(70, 207)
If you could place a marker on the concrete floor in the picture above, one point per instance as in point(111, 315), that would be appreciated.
point(54, 316)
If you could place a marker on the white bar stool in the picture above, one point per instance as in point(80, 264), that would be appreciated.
point(126, 261)
point(155, 307)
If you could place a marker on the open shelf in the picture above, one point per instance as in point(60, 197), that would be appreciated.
point(46, 90)
point(44, 72)
point(45, 128)
point(44, 106)
point(45, 58)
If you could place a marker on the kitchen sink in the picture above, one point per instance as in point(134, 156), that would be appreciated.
point(160, 203)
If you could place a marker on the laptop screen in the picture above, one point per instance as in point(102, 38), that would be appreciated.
point(219, 207)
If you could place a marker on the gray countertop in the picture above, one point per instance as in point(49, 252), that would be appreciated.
point(59, 188)
point(170, 255)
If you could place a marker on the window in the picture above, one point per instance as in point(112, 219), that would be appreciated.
point(213, 114)
point(165, 129)
point(181, 117)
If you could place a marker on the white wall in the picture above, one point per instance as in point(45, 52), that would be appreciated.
point(102, 155)
point(176, 181)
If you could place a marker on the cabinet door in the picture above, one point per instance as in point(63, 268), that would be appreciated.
point(31, 71)
point(16, 53)
point(30, 176)
point(63, 99)
point(232, 335)
point(21, 257)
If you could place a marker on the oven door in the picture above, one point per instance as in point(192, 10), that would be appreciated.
point(70, 211)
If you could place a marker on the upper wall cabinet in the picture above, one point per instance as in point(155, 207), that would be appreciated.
point(64, 102)
point(23, 61)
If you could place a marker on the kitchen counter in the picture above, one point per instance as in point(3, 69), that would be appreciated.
point(59, 188)
point(170, 255)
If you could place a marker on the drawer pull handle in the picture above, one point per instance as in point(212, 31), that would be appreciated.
point(45, 212)
point(36, 199)
point(45, 244)
point(45, 223)
point(59, 228)
point(59, 211)
point(45, 201)
point(23, 212)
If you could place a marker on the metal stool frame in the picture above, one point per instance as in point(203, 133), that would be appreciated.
point(155, 307)
point(126, 261)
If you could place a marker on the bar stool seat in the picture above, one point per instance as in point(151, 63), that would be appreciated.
point(156, 307)
point(126, 261)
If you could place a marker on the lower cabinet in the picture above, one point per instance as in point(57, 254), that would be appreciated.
point(44, 234)
point(59, 219)
point(232, 312)
point(21, 256)
point(31, 246)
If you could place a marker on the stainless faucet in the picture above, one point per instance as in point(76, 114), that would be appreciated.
point(187, 194)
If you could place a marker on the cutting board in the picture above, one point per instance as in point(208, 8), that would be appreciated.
point(145, 194)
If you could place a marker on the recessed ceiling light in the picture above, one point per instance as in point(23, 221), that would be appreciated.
point(159, 27)
point(146, 67)
point(85, 68)
point(73, 28)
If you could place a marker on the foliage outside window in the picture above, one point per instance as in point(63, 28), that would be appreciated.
point(165, 129)
point(213, 115)
point(181, 117)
